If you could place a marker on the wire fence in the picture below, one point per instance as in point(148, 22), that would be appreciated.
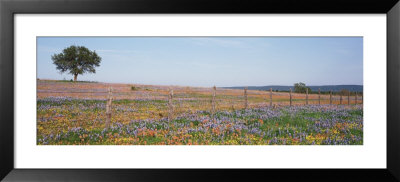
point(169, 103)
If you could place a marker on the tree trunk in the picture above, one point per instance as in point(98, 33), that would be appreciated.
point(75, 77)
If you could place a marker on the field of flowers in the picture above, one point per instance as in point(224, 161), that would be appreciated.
point(74, 114)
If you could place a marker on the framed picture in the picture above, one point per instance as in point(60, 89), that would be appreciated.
point(154, 90)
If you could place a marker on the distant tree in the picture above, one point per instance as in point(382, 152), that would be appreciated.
point(344, 92)
point(301, 88)
point(76, 60)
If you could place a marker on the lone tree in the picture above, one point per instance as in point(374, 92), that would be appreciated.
point(301, 88)
point(76, 60)
point(344, 92)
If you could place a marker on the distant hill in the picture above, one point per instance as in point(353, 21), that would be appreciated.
point(324, 88)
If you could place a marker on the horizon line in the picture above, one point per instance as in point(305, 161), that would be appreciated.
point(195, 86)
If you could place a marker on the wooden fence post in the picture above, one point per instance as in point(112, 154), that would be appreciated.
point(319, 96)
point(306, 96)
point(108, 108)
point(233, 103)
point(270, 97)
point(245, 98)
point(170, 105)
point(356, 99)
point(290, 97)
point(348, 98)
point(330, 97)
point(213, 103)
point(341, 99)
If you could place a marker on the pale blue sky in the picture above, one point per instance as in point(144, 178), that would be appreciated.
point(208, 61)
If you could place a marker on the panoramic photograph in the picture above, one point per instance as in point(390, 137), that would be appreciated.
point(199, 90)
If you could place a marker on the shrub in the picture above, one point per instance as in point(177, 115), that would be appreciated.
point(133, 88)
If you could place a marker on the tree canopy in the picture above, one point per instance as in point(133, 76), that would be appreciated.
point(76, 60)
point(344, 92)
point(301, 88)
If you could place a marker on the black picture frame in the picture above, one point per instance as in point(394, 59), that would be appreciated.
point(8, 8)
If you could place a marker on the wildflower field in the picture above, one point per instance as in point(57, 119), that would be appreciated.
point(71, 113)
